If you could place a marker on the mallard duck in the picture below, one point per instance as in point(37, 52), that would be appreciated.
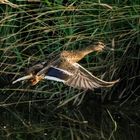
point(65, 68)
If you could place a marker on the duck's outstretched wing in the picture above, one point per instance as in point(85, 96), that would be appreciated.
point(83, 79)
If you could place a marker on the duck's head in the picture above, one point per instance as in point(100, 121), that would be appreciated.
point(99, 47)
point(31, 75)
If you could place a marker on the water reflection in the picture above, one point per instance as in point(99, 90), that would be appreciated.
point(92, 119)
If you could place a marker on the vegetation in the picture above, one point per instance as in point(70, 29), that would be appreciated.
point(34, 32)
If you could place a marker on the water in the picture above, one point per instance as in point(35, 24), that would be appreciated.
point(35, 118)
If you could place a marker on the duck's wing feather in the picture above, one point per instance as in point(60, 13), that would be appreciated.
point(85, 80)
point(57, 74)
point(78, 77)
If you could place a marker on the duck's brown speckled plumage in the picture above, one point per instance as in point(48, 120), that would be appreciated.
point(65, 68)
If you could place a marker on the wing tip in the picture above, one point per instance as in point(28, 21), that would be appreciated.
point(110, 84)
point(27, 77)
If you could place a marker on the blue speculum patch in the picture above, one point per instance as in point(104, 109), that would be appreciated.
point(53, 72)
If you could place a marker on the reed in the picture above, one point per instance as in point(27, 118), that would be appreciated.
point(37, 31)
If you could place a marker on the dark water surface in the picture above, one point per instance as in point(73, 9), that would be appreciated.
point(40, 119)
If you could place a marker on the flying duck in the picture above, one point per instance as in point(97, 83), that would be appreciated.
point(65, 68)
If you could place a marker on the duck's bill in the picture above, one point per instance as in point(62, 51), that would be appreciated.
point(27, 77)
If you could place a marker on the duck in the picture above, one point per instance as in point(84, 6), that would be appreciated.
point(65, 68)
